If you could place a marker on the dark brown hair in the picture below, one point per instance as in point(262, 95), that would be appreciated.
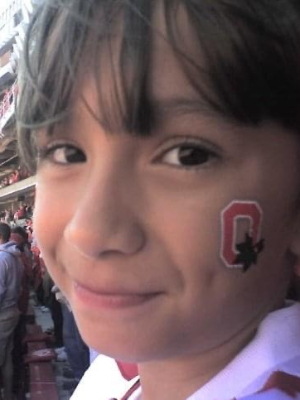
point(5, 231)
point(251, 69)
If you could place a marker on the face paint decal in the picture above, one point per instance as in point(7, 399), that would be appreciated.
point(241, 255)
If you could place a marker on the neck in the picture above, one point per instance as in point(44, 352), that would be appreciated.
point(177, 379)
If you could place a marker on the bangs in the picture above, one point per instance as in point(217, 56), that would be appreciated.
point(70, 41)
point(245, 62)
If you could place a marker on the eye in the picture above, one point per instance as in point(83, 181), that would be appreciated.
point(63, 154)
point(188, 155)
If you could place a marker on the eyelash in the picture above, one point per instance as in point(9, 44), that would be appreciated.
point(209, 150)
point(208, 153)
point(47, 152)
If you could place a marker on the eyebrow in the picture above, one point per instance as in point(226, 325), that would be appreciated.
point(164, 109)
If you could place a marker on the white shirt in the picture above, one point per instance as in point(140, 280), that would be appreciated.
point(276, 346)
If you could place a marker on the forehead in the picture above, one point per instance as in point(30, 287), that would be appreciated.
point(165, 80)
point(171, 55)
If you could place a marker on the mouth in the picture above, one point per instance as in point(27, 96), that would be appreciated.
point(111, 298)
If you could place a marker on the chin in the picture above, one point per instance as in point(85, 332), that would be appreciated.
point(121, 347)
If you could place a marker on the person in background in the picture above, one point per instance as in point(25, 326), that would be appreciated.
point(20, 237)
point(39, 269)
point(11, 272)
point(55, 309)
point(77, 351)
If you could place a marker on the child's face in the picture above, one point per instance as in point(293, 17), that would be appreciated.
point(130, 228)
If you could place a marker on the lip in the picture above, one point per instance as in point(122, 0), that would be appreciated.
point(112, 298)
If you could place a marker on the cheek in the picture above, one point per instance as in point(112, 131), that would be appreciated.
point(241, 241)
point(48, 224)
point(192, 238)
point(41, 221)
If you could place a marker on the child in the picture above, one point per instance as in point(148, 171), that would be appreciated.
point(166, 140)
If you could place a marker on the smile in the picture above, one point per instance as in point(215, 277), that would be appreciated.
point(112, 298)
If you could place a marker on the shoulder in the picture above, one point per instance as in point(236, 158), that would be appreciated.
point(4, 257)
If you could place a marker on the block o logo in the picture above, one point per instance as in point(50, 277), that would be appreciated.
point(240, 210)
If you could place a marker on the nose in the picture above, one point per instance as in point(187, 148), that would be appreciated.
point(104, 221)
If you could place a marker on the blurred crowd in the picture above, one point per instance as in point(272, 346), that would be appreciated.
point(30, 280)
point(15, 176)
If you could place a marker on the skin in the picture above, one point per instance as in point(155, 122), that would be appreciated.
point(132, 224)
